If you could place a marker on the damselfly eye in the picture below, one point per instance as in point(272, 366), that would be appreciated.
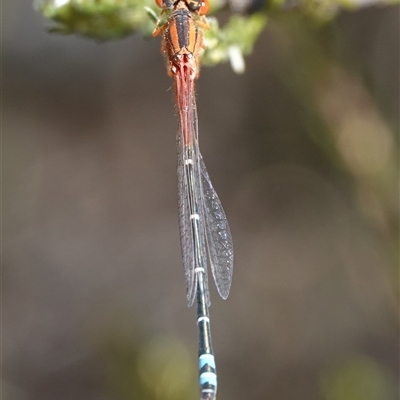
point(204, 7)
point(165, 3)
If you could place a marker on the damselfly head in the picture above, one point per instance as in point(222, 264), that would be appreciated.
point(199, 7)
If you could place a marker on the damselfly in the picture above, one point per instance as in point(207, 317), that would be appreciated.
point(205, 234)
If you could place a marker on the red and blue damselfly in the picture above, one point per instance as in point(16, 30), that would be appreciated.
point(205, 235)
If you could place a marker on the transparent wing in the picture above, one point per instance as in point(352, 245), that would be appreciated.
point(219, 238)
point(187, 246)
point(190, 196)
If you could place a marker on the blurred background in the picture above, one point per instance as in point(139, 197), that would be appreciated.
point(303, 152)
